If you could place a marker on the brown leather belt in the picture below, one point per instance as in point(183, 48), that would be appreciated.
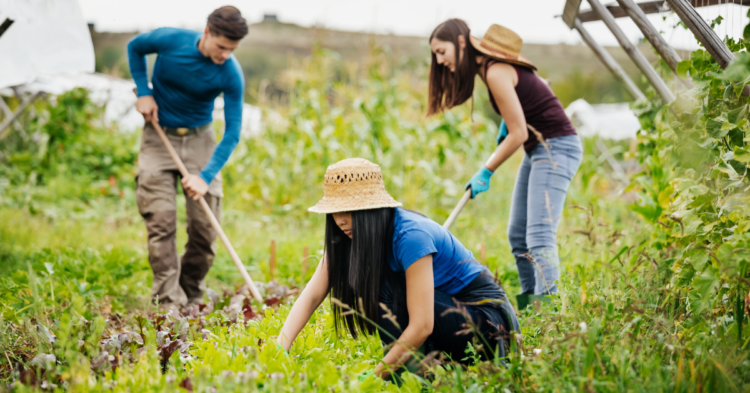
point(185, 131)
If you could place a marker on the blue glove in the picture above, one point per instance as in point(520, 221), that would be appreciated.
point(502, 132)
point(480, 182)
point(365, 375)
point(282, 350)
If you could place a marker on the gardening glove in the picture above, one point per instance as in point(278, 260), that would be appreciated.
point(282, 350)
point(365, 375)
point(480, 182)
point(502, 132)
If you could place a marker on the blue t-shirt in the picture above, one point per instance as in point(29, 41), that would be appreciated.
point(186, 83)
point(415, 236)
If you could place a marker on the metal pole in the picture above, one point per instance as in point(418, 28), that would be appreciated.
point(211, 217)
point(570, 13)
point(703, 32)
point(637, 57)
point(666, 52)
point(609, 61)
point(9, 119)
point(5, 25)
point(464, 200)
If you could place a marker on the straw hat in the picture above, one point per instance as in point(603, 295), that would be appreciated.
point(501, 43)
point(353, 184)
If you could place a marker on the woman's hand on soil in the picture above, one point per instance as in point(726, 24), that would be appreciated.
point(480, 182)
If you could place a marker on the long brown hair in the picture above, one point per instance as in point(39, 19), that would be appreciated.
point(449, 89)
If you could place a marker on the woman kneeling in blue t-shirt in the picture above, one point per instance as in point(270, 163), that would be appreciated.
point(375, 253)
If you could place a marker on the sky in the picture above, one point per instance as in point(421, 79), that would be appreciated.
point(534, 20)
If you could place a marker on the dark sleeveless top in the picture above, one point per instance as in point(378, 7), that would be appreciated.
point(541, 107)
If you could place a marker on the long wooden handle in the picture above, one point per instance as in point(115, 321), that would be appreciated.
point(210, 214)
point(464, 200)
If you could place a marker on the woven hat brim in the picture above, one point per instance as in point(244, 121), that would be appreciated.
point(520, 60)
point(348, 204)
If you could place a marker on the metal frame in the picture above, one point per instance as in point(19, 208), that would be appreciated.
point(5, 25)
point(646, 68)
point(653, 36)
point(609, 61)
point(705, 34)
point(653, 7)
point(685, 9)
point(570, 13)
point(11, 116)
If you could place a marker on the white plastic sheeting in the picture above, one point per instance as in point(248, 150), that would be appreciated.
point(114, 93)
point(47, 37)
point(117, 96)
point(609, 121)
point(251, 116)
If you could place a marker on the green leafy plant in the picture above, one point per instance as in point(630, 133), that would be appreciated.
point(651, 296)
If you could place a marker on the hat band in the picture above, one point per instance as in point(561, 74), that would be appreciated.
point(497, 51)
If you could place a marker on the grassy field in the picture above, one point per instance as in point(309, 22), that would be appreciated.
point(271, 48)
point(96, 268)
point(75, 281)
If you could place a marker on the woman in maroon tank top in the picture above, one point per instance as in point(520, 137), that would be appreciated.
point(533, 118)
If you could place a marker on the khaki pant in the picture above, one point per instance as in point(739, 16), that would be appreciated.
point(176, 280)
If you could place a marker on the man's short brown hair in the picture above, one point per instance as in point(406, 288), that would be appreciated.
point(227, 21)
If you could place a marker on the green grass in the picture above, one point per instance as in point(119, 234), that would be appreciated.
point(75, 281)
point(628, 333)
point(628, 343)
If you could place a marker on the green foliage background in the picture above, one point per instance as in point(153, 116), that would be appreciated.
point(652, 298)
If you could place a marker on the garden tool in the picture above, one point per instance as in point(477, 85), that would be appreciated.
point(502, 134)
point(211, 217)
point(457, 209)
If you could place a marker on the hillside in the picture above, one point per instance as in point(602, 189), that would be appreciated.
point(573, 70)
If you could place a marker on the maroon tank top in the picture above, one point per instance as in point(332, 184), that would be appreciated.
point(541, 107)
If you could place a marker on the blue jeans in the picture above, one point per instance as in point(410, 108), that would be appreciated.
point(535, 211)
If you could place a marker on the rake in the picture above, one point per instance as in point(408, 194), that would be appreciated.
point(211, 217)
point(464, 200)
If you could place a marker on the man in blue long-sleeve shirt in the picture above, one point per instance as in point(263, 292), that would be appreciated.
point(191, 70)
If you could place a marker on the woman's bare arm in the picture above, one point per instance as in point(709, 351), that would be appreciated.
point(309, 300)
point(502, 79)
point(420, 303)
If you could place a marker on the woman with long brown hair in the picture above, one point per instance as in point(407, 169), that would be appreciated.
point(533, 118)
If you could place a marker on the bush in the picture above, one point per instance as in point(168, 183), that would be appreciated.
point(67, 147)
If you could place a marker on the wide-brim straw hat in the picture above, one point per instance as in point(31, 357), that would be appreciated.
point(353, 184)
point(502, 44)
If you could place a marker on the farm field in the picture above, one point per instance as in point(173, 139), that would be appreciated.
point(653, 293)
point(272, 47)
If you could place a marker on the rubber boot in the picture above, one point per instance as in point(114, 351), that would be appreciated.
point(522, 299)
point(528, 299)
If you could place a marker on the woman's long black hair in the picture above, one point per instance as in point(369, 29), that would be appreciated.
point(357, 266)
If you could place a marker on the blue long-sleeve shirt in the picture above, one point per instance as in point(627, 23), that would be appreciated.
point(185, 85)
